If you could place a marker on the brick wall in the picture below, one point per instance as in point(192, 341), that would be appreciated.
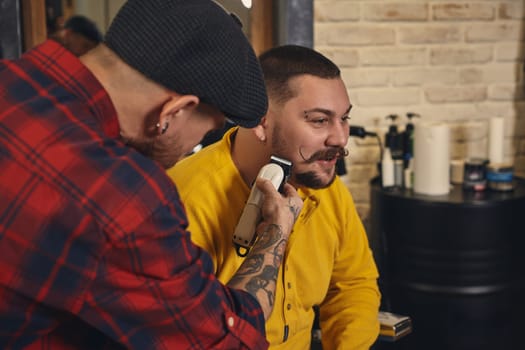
point(459, 62)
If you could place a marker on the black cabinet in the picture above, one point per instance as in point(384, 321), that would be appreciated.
point(454, 263)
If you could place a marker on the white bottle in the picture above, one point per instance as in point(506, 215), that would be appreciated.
point(409, 175)
point(387, 169)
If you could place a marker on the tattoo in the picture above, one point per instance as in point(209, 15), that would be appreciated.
point(258, 273)
point(262, 281)
point(267, 240)
point(295, 211)
point(252, 264)
point(278, 253)
point(236, 280)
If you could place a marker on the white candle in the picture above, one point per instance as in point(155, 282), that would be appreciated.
point(496, 137)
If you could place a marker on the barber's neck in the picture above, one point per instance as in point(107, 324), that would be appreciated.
point(136, 99)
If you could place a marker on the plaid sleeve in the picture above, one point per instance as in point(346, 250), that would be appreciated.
point(155, 287)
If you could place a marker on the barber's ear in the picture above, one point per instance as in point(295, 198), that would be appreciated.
point(176, 111)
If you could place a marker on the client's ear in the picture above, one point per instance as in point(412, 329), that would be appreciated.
point(260, 130)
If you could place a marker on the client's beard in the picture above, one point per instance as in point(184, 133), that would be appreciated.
point(310, 179)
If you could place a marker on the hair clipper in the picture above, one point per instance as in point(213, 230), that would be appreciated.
point(244, 236)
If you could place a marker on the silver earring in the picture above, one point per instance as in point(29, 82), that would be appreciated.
point(164, 128)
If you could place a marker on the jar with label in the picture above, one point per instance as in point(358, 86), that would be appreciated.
point(475, 174)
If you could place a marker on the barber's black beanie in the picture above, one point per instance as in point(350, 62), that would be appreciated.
point(192, 47)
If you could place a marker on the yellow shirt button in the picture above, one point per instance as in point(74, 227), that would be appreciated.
point(289, 306)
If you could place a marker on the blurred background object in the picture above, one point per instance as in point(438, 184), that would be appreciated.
point(78, 34)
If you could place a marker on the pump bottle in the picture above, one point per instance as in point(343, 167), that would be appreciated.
point(408, 139)
point(393, 139)
point(387, 169)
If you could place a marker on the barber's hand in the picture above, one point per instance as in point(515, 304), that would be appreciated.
point(258, 273)
point(278, 209)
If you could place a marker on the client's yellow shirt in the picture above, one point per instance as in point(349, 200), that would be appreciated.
point(327, 261)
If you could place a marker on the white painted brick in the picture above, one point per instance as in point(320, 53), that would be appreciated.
point(364, 154)
point(519, 107)
point(506, 92)
point(363, 210)
point(494, 73)
point(458, 151)
point(473, 149)
point(334, 11)
point(353, 35)
point(447, 113)
point(510, 122)
point(510, 147)
point(471, 76)
point(388, 97)
point(393, 57)
point(519, 127)
point(396, 11)
point(463, 11)
point(490, 109)
point(519, 166)
point(430, 34)
point(510, 52)
point(364, 77)
point(500, 32)
point(343, 57)
point(361, 173)
point(360, 193)
point(521, 148)
point(440, 94)
point(512, 10)
point(454, 55)
point(321, 34)
point(425, 76)
point(468, 131)
point(373, 117)
point(352, 94)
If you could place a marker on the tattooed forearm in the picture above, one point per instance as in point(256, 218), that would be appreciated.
point(271, 234)
point(236, 281)
point(252, 264)
point(262, 282)
point(272, 237)
point(278, 253)
point(258, 273)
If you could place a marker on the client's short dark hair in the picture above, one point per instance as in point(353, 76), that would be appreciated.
point(282, 63)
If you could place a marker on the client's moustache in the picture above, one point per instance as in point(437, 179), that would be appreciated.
point(328, 154)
